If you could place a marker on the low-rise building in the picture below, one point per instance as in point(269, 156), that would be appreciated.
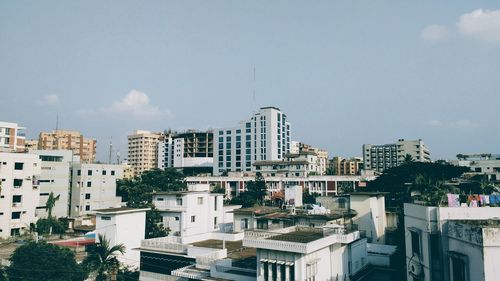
point(451, 243)
point(93, 187)
point(125, 226)
point(19, 192)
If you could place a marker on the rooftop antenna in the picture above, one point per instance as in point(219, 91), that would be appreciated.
point(57, 121)
point(110, 149)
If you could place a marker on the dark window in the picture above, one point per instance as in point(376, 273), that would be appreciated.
point(103, 172)
point(89, 172)
point(15, 215)
point(112, 173)
point(18, 182)
point(415, 243)
point(87, 208)
point(105, 218)
point(458, 269)
point(79, 172)
point(18, 166)
point(89, 184)
point(87, 195)
point(16, 198)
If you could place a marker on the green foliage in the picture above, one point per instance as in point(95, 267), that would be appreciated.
point(3, 274)
point(51, 202)
point(218, 189)
point(254, 195)
point(42, 261)
point(154, 225)
point(308, 198)
point(58, 226)
point(101, 259)
point(423, 178)
point(137, 192)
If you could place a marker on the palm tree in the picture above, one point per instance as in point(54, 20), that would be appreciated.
point(102, 260)
point(51, 202)
point(408, 159)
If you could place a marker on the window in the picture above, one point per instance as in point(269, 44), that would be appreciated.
point(415, 243)
point(16, 198)
point(89, 184)
point(15, 215)
point(311, 271)
point(89, 172)
point(18, 166)
point(79, 172)
point(18, 183)
point(244, 223)
point(458, 266)
point(103, 172)
point(178, 201)
point(112, 173)
point(177, 218)
point(215, 222)
point(105, 218)
point(215, 203)
point(87, 196)
point(160, 199)
point(193, 218)
point(15, 232)
point(200, 200)
point(87, 207)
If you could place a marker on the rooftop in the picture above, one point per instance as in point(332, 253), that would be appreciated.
point(492, 223)
point(259, 210)
point(298, 236)
point(120, 210)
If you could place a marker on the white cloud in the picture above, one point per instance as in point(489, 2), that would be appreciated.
point(434, 33)
point(49, 100)
point(135, 104)
point(459, 124)
point(481, 24)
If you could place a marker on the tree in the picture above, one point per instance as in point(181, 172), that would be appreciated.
point(309, 198)
point(43, 261)
point(3, 274)
point(244, 199)
point(408, 159)
point(51, 202)
point(257, 188)
point(154, 225)
point(102, 260)
point(44, 226)
point(218, 189)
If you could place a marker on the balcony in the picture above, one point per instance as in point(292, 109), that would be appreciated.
point(165, 244)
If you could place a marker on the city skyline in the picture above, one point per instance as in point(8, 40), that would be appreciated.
point(350, 74)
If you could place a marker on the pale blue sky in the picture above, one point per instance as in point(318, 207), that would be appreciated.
point(345, 72)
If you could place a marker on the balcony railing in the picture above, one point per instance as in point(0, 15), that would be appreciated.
point(168, 244)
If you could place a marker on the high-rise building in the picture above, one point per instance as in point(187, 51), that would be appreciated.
point(143, 151)
point(69, 140)
point(380, 157)
point(19, 193)
point(265, 136)
point(12, 137)
point(191, 150)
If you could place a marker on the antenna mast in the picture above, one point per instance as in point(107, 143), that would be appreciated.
point(110, 149)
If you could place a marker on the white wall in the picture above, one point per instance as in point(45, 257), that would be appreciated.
point(371, 216)
point(30, 194)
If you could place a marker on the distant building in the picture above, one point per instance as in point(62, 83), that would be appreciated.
point(264, 137)
point(93, 186)
point(54, 177)
point(321, 154)
point(83, 147)
point(19, 192)
point(302, 164)
point(378, 158)
point(143, 151)
point(345, 167)
point(484, 164)
point(12, 137)
point(31, 145)
point(191, 151)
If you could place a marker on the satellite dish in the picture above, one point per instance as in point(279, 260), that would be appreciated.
point(415, 266)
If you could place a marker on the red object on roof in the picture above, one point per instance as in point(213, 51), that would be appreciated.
point(75, 243)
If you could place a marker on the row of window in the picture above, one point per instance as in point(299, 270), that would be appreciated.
point(90, 172)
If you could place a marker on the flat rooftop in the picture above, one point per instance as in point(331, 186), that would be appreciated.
point(121, 210)
point(298, 236)
point(235, 250)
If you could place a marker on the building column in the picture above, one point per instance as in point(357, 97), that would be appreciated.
point(278, 271)
point(261, 268)
point(287, 273)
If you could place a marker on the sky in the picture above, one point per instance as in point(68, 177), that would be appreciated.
point(344, 72)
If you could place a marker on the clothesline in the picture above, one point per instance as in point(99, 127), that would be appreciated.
point(459, 200)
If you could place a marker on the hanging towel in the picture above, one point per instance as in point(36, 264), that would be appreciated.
point(486, 200)
point(473, 203)
point(453, 200)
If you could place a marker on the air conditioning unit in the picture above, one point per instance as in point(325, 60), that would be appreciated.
point(415, 266)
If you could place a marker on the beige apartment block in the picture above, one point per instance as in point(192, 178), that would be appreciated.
point(12, 137)
point(142, 151)
point(69, 140)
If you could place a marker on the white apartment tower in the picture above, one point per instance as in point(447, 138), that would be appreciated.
point(19, 193)
point(55, 178)
point(12, 137)
point(93, 187)
point(381, 157)
point(265, 136)
point(142, 151)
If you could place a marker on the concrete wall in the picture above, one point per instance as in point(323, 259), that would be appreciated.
point(371, 216)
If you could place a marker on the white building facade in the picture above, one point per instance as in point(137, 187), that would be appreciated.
point(54, 177)
point(93, 187)
point(265, 136)
point(12, 137)
point(381, 157)
point(142, 151)
point(19, 192)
